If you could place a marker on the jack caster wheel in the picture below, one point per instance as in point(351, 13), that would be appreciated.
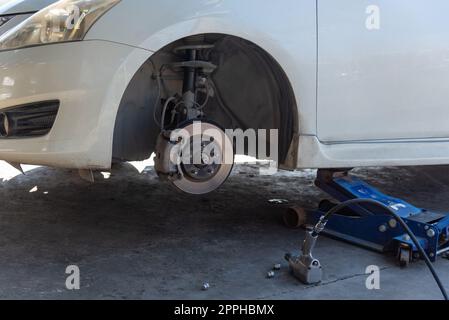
point(404, 256)
point(295, 217)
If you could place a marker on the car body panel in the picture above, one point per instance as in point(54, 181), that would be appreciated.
point(88, 89)
point(154, 29)
point(357, 125)
point(386, 83)
point(316, 154)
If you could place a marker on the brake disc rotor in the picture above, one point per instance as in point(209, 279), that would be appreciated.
point(205, 163)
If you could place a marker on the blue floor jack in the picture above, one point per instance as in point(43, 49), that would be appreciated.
point(369, 226)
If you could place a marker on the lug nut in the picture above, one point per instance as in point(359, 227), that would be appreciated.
point(205, 287)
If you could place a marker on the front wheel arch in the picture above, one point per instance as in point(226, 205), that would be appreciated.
point(135, 132)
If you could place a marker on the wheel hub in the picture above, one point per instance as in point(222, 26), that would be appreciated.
point(199, 168)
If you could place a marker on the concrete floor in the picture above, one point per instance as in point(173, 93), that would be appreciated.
point(134, 238)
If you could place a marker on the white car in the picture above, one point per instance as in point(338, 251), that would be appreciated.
point(346, 83)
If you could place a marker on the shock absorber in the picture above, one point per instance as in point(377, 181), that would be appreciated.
point(191, 67)
point(188, 89)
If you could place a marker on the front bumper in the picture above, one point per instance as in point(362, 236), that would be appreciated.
point(88, 78)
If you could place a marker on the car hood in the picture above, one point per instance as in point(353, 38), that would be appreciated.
point(8, 7)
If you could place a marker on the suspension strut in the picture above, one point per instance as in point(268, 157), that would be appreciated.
point(189, 85)
point(212, 170)
point(192, 67)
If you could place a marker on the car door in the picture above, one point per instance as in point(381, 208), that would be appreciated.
point(383, 70)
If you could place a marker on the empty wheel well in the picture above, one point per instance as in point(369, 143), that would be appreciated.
point(249, 82)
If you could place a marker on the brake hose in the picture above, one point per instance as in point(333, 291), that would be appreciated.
point(324, 219)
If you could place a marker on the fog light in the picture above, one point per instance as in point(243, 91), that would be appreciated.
point(31, 120)
point(4, 125)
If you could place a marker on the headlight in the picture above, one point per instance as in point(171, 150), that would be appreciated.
point(65, 20)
